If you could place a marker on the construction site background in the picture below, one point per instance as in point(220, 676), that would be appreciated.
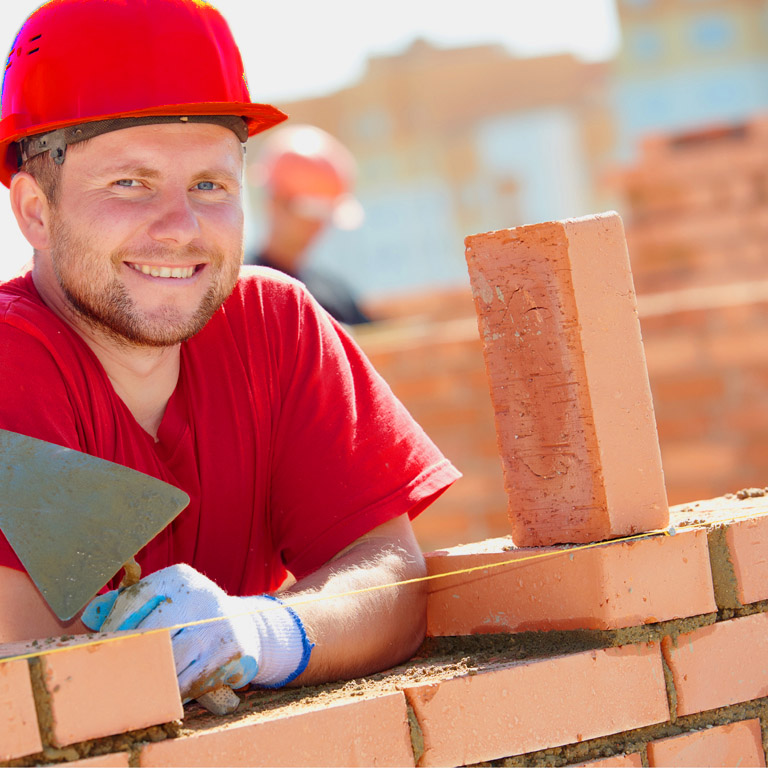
point(672, 134)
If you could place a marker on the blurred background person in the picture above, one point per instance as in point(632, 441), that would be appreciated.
point(308, 178)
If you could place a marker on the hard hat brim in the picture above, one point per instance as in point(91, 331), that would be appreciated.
point(258, 117)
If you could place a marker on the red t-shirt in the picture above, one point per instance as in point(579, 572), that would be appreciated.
point(288, 443)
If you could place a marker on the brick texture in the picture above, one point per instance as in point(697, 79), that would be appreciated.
point(108, 688)
point(575, 424)
point(725, 745)
point(364, 732)
point(19, 734)
point(616, 585)
point(721, 664)
point(538, 704)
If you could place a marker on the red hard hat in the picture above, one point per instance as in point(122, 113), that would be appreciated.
point(305, 164)
point(80, 61)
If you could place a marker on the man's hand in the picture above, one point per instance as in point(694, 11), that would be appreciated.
point(365, 609)
point(258, 639)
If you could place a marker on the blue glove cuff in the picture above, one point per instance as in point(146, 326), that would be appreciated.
point(306, 646)
point(285, 647)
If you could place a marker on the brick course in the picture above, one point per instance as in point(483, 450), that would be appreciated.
point(365, 732)
point(616, 585)
point(500, 713)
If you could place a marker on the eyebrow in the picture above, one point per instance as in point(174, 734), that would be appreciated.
point(129, 170)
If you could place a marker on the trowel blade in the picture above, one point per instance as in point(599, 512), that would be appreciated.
point(74, 519)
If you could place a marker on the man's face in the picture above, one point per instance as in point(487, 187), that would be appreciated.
point(146, 239)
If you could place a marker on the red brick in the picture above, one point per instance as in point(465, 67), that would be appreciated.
point(576, 426)
point(539, 704)
point(618, 584)
point(362, 732)
point(719, 665)
point(111, 687)
point(748, 546)
point(724, 745)
point(633, 760)
point(19, 734)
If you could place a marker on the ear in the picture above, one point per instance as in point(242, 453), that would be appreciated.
point(31, 209)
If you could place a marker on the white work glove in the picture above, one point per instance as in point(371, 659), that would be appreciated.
point(262, 640)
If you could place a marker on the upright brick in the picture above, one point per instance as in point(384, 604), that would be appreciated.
point(558, 317)
point(361, 732)
point(724, 745)
point(618, 584)
point(19, 733)
point(107, 688)
point(718, 665)
point(539, 704)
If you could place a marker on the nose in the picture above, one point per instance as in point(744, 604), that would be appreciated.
point(175, 222)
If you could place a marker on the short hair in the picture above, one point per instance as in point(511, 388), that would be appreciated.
point(46, 173)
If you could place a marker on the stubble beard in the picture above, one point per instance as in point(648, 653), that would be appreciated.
point(90, 282)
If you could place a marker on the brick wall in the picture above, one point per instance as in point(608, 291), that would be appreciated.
point(696, 207)
point(656, 654)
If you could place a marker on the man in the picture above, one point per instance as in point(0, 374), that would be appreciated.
point(133, 338)
point(308, 177)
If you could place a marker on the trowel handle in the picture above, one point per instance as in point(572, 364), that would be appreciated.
point(132, 574)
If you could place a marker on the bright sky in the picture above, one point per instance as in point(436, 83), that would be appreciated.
point(298, 48)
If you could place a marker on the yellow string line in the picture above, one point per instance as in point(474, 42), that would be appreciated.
point(567, 550)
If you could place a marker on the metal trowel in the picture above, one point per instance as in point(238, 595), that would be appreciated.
point(73, 519)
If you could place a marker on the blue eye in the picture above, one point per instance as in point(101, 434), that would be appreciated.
point(126, 182)
point(206, 186)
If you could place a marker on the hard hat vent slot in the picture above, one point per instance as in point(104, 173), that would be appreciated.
point(32, 40)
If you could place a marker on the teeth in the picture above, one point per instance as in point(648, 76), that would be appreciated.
point(178, 272)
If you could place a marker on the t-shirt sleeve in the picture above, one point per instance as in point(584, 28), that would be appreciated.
point(347, 455)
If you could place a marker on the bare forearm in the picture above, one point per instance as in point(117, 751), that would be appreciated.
point(358, 623)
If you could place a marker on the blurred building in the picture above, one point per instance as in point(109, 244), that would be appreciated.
point(453, 142)
point(684, 64)
point(695, 207)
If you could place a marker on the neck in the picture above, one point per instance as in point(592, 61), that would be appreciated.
point(143, 377)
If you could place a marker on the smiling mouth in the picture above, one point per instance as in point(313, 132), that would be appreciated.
point(176, 272)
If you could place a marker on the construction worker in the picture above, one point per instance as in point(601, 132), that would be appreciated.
point(308, 176)
point(136, 338)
